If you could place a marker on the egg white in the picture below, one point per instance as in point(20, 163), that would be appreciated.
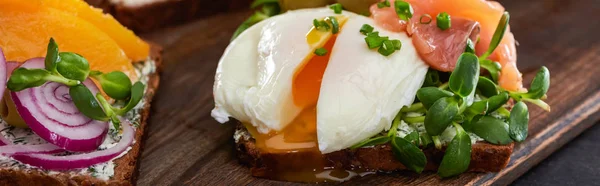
point(253, 82)
point(361, 90)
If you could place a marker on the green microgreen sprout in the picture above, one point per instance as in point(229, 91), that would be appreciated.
point(458, 149)
point(337, 8)
point(498, 35)
point(269, 8)
point(72, 69)
point(443, 21)
point(403, 9)
point(471, 102)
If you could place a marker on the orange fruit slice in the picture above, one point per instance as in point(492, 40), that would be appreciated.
point(26, 29)
point(135, 48)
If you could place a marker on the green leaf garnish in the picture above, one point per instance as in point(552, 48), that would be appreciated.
point(492, 67)
point(255, 18)
point(395, 123)
point(52, 56)
point(115, 84)
point(458, 154)
point(478, 107)
point(23, 78)
point(487, 87)
point(73, 66)
point(497, 101)
point(492, 130)
point(518, 122)
point(413, 138)
point(498, 35)
point(408, 154)
point(443, 21)
point(372, 142)
point(440, 115)
point(463, 79)
point(539, 85)
point(137, 93)
point(429, 95)
point(86, 103)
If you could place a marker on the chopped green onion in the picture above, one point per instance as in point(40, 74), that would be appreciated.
point(403, 9)
point(386, 48)
point(334, 23)
point(397, 44)
point(321, 52)
point(366, 29)
point(383, 4)
point(425, 19)
point(321, 25)
point(374, 40)
point(337, 8)
point(443, 21)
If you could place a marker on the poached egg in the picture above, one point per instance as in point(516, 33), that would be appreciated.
point(292, 100)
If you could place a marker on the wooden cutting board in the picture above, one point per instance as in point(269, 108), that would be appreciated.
point(185, 146)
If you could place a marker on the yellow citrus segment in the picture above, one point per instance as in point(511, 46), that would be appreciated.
point(135, 48)
point(26, 29)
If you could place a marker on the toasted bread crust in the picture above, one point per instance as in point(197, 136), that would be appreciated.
point(485, 157)
point(126, 169)
point(160, 14)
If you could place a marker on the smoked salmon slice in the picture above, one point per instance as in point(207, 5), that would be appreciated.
point(485, 13)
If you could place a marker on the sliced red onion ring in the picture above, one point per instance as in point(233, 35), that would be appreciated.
point(2, 72)
point(50, 113)
point(47, 161)
point(9, 150)
point(10, 67)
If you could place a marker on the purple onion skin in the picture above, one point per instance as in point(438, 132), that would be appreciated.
point(84, 145)
point(79, 161)
point(74, 145)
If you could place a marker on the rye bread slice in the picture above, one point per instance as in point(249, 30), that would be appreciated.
point(125, 172)
point(163, 13)
point(485, 157)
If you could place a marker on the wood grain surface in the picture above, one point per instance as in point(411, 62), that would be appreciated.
point(185, 146)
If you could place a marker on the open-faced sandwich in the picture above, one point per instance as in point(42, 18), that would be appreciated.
point(77, 88)
point(324, 94)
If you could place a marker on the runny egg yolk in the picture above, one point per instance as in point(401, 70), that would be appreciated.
point(301, 133)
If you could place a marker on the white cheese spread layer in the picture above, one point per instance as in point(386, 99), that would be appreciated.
point(103, 171)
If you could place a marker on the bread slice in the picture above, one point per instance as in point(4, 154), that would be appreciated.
point(485, 157)
point(152, 14)
point(124, 173)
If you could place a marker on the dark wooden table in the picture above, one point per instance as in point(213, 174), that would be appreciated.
point(185, 146)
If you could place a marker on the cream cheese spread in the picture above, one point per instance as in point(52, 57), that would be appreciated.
point(103, 171)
